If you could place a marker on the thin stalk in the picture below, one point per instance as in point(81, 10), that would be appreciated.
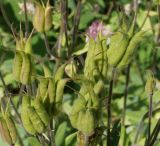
point(75, 25)
point(63, 29)
point(109, 99)
point(8, 95)
point(125, 95)
point(26, 19)
point(8, 22)
point(149, 119)
point(141, 123)
point(155, 133)
point(51, 130)
point(47, 44)
point(125, 100)
point(145, 19)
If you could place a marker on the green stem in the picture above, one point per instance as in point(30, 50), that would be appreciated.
point(125, 94)
point(125, 101)
point(149, 120)
point(75, 25)
point(26, 19)
point(109, 99)
point(86, 140)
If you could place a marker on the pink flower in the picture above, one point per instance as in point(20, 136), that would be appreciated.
point(97, 27)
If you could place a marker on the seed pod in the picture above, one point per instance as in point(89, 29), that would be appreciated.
point(25, 75)
point(17, 65)
point(87, 122)
point(60, 89)
point(12, 128)
point(47, 72)
point(35, 120)
point(118, 46)
point(20, 44)
point(48, 17)
point(39, 18)
point(80, 120)
point(42, 113)
point(78, 104)
point(28, 47)
point(25, 116)
point(43, 87)
point(98, 87)
point(4, 131)
point(73, 119)
point(59, 73)
point(135, 41)
point(51, 90)
point(89, 62)
point(150, 84)
point(70, 69)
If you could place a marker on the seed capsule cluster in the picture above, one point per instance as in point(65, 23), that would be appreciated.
point(42, 20)
point(123, 45)
point(34, 116)
point(50, 89)
point(22, 64)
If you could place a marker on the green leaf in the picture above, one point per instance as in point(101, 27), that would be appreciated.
point(115, 133)
point(60, 134)
point(71, 139)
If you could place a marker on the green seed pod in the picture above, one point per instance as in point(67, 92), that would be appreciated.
point(78, 104)
point(47, 72)
point(28, 46)
point(17, 65)
point(35, 120)
point(25, 75)
point(86, 122)
point(89, 62)
point(98, 87)
point(42, 113)
point(74, 120)
point(150, 84)
point(43, 87)
point(60, 89)
point(80, 120)
point(118, 46)
point(51, 90)
point(12, 128)
point(70, 69)
point(4, 132)
point(39, 18)
point(48, 17)
point(25, 116)
point(59, 73)
point(128, 56)
point(20, 44)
